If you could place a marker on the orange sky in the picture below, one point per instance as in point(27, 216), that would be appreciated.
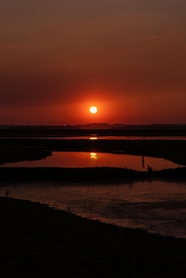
point(125, 57)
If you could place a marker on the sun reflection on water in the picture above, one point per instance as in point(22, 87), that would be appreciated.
point(93, 137)
point(93, 157)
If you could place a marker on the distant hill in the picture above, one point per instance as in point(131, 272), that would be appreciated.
point(96, 126)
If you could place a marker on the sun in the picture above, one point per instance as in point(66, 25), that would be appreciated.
point(93, 109)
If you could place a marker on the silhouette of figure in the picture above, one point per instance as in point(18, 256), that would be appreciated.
point(143, 161)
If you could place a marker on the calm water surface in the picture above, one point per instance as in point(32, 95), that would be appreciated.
point(95, 137)
point(156, 206)
point(85, 159)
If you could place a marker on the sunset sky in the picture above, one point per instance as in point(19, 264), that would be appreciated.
point(126, 57)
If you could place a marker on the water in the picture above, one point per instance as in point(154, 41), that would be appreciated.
point(96, 137)
point(85, 159)
point(156, 206)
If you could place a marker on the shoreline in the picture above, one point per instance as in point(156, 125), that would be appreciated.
point(38, 241)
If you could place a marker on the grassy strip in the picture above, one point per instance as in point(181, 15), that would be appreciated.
point(18, 153)
point(108, 130)
point(86, 174)
point(37, 241)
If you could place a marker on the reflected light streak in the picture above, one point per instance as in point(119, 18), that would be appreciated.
point(93, 156)
point(93, 138)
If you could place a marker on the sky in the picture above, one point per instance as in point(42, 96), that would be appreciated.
point(126, 57)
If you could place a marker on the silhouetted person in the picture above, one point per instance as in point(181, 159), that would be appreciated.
point(143, 161)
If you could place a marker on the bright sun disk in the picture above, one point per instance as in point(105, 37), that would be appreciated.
point(93, 109)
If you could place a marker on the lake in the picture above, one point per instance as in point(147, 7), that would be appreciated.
point(92, 159)
point(156, 206)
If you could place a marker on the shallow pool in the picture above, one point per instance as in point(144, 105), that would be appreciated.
point(92, 159)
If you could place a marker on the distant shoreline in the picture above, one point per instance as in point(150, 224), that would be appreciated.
point(96, 129)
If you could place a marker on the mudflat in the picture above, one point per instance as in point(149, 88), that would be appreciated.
point(38, 241)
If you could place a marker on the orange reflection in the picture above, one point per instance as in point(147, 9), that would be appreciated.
point(84, 159)
point(93, 156)
point(93, 138)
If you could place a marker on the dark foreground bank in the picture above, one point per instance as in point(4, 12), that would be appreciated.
point(37, 241)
